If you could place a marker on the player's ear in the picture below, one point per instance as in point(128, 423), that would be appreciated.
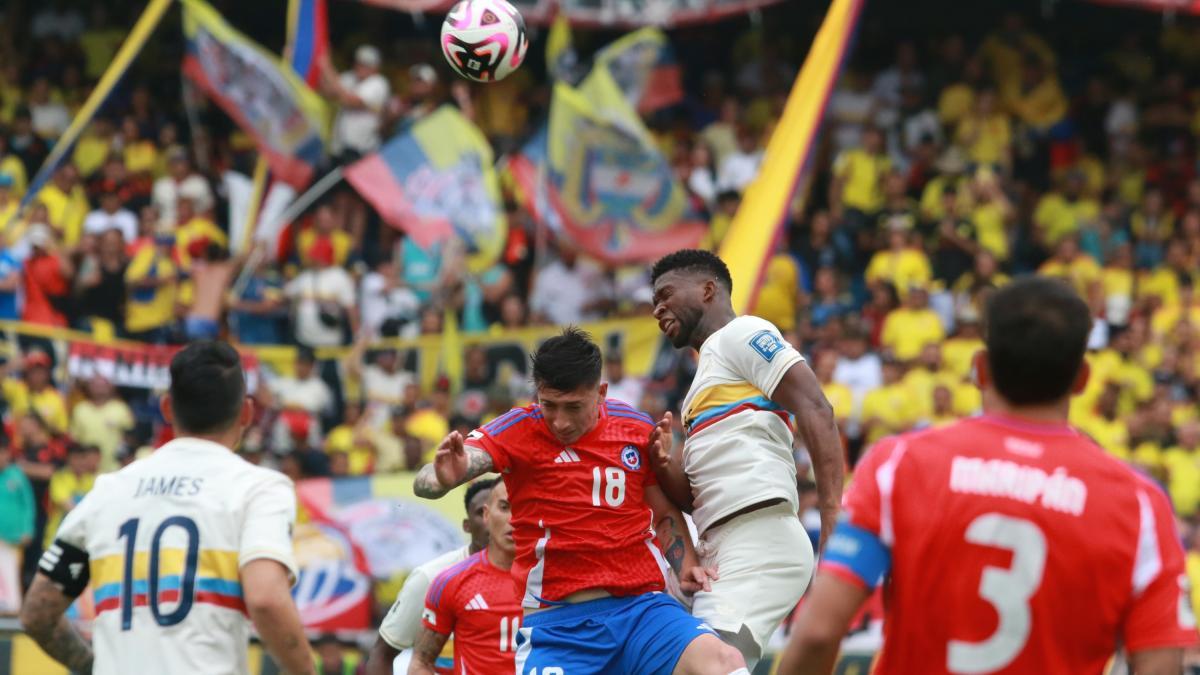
point(246, 417)
point(168, 412)
point(603, 390)
point(710, 290)
point(1081, 378)
point(980, 375)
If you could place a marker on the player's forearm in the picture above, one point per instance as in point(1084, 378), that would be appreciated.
point(427, 485)
point(1168, 661)
point(674, 483)
point(819, 430)
point(420, 667)
point(676, 542)
point(64, 644)
point(382, 656)
point(282, 633)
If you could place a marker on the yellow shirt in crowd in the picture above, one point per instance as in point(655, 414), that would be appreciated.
point(957, 353)
point(149, 308)
point(1081, 272)
point(1057, 217)
point(889, 410)
point(862, 174)
point(194, 230)
point(907, 331)
point(986, 140)
point(13, 167)
point(66, 211)
point(47, 403)
point(841, 398)
point(65, 487)
point(777, 299)
point(141, 157)
point(901, 269)
point(103, 426)
point(341, 439)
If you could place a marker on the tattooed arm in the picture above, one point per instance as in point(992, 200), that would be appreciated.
point(675, 541)
point(454, 465)
point(425, 651)
point(43, 620)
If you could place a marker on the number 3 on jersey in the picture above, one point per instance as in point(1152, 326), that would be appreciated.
point(1007, 590)
point(612, 485)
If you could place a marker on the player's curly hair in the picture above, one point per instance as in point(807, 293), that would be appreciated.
point(694, 260)
point(567, 361)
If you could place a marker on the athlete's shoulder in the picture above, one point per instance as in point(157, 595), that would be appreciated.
point(434, 567)
point(514, 422)
point(624, 413)
point(448, 579)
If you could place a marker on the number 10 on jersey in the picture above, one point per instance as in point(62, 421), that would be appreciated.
point(610, 483)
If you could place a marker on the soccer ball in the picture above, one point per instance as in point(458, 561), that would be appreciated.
point(484, 40)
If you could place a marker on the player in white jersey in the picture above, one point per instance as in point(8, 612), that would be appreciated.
point(399, 628)
point(735, 473)
point(180, 547)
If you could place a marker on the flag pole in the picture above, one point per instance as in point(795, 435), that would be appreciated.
point(129, 50)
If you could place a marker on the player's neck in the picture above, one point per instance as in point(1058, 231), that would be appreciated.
point(1057, 412)
point(711, 322)
point(499, 558)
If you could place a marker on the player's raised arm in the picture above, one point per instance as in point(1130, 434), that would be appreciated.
point(800, 393)
point(667, 462)
point(455, 464)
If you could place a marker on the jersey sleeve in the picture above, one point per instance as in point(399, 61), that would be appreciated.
point(270, 516)
point(1161, 613)
point(756, 351)
point(399, 627)
point(66, 561)
point(860, 549)
point(501, 438)
point(439, 613)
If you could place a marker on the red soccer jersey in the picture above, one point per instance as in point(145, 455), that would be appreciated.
point(579, 517)
point(1011, 547)
point(475, 601)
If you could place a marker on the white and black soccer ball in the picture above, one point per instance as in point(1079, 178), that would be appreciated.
point(484, 40)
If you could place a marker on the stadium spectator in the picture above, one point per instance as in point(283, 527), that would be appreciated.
point(180, 181)
point(323, 300)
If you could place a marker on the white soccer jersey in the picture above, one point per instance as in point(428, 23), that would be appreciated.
point(738, 450)
point(403, 620)
point(166, 538)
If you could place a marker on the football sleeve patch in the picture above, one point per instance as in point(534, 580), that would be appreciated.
point(857, 555)
point(66, 566)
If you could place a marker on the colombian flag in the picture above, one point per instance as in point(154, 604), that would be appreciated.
point(761, 216)
point(308, 36)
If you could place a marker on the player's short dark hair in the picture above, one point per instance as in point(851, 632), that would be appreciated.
point(1036, 335)
point(477, 487)
point(567, 361)
point(694, 260)
point(207, 387)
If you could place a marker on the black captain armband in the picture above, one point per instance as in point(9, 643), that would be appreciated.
point(66, 566)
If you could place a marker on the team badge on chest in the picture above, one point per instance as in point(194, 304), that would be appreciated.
point(631, 458)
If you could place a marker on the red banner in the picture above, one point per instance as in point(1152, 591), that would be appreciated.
point(139, 367)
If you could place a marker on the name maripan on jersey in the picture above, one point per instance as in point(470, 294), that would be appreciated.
point(1056, 491)
point(168, 486)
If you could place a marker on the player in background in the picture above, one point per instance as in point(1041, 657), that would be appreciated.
point(1010, 543)
point(735, 473)
point(399, 628)
point(180, 547)
point(585, 509)
point(477, 601)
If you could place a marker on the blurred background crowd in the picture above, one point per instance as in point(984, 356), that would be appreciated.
point(971, 150)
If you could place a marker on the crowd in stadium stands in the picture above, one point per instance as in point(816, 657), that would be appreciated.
point(958, 163)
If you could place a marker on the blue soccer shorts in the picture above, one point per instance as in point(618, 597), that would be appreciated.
point(643, 634)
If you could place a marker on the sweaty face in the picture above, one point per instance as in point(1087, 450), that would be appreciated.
point(571, 414)
point(678, 306)
point(498, 516)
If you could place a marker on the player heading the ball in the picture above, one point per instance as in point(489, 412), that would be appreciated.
point(589, 567)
